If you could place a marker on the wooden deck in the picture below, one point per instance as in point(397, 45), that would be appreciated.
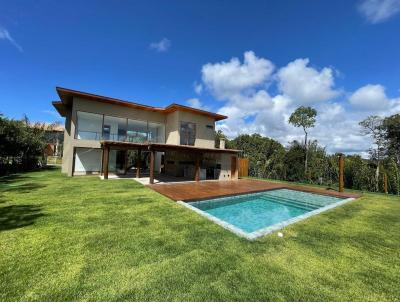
point(189, 191)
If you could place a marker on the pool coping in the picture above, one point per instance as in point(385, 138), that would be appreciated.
point(264, 231)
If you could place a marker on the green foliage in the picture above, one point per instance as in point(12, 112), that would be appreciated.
point(21, 145)
point(303, 117)
point(266, 156)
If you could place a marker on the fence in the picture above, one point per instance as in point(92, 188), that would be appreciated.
point(243, 167)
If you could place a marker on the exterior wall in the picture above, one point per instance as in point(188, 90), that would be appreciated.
point(205, 137)
point(172, 128)
point(67, 159)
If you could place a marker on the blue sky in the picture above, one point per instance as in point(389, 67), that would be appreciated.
point(253, 60)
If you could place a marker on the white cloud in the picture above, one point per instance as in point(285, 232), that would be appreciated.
point(370, 97)
point(162, 46)
point(376, 11)
point(305, 84)
point(226, 79)
point(198, 88)
point(196, 103)
point(5, 35)
point(244, 91)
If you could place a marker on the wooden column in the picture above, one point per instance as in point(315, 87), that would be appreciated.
point(197, 168)
point(106, 151)
point(341, 173)
point(126, 162)
point(139, 163)
point(385, 183)
point(152, 155)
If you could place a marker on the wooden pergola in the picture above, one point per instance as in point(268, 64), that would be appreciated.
point(155, 147)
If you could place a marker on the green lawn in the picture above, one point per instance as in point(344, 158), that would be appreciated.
point(67, 239)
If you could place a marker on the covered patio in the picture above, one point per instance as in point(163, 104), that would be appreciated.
point(197, 153)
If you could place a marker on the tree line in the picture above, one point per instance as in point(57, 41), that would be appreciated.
point(308, 161)
point(21, 145)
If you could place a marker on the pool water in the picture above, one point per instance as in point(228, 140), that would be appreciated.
point(253, 212)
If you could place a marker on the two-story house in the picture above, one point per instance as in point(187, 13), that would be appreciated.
point(106, 135)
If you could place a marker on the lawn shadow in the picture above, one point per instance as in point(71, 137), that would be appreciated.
point(21, 188)
point(18, 216)
point(13, 178)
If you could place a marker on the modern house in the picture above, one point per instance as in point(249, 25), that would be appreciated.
point(105, 136)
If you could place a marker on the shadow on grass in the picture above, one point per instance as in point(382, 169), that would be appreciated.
point(21, 188)
point(18, 216)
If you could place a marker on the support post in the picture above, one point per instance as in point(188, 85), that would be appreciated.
point(106, 151)
point(197, 168)
point(126, 162)
point(341, 173)
point(385, 183)
point(152, 155)
point(139, 163)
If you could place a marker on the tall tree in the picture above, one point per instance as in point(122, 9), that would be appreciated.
point(304, 117)
point(373, 127)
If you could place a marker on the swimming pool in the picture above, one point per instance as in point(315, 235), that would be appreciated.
point(257, 214)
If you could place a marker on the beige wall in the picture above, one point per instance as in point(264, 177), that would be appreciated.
point(204, 136)
point(172, 128)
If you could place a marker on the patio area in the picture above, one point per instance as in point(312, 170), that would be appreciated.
point(188, 191)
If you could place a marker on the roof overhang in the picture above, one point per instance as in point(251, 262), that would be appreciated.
point(164, 147)
point(67, 96)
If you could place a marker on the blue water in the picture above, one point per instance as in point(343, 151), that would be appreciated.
point(253, 212)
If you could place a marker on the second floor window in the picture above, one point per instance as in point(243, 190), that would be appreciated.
point(187, 133)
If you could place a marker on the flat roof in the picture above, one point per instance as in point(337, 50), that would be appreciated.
point(165, 147)
point(66, 96)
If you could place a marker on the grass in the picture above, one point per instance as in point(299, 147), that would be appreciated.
point(83, 239)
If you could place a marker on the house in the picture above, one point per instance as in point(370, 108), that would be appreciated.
point(105, 136)
point(54, 136)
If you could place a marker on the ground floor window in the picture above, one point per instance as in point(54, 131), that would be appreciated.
point(87, 160)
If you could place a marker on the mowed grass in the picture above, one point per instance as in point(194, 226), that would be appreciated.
point(84, 239)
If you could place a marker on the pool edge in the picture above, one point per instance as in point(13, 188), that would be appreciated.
point(267, 230)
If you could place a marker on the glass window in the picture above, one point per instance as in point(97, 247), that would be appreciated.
point(87, 160)
point(137, 131)
point(114, 128)
point(188, 133)
point(156, 133)
point(89, 125)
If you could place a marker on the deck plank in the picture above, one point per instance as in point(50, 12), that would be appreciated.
point(189, 191)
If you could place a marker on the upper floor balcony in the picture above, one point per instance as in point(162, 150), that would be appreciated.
point(93, 126)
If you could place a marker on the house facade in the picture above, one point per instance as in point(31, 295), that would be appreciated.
point(105, 135)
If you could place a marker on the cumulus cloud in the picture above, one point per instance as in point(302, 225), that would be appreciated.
point(196, 103)
point(227, 79)
point(198, 88)
point(161, 46)
point(370, 97)
point(376, 11)
point(5, 35)
point(243, 89)
point(305, 84)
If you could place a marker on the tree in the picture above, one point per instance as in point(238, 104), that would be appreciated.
point(304, 117)
point(373, 127)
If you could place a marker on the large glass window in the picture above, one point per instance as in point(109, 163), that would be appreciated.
point(188, 133)
point(156, 133)
point(89, 125)
point(137, 131)
point(87, 160)
point(114, 128)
